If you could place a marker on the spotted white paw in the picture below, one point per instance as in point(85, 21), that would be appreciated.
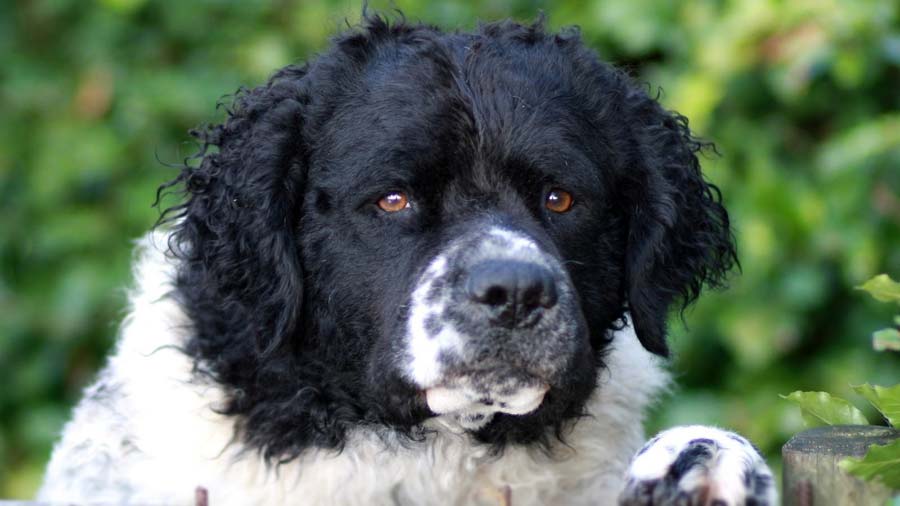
point(698, 466)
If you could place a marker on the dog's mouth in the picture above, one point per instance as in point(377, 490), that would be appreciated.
point(472, 400)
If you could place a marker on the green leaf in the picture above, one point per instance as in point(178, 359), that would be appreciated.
point(881, 463)
point(883, 288)
point(886, 339)
point(885, 399)
point(821, 408)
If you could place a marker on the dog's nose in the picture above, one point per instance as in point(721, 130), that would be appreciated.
point(511, 290)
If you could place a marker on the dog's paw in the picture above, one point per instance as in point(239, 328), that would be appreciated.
point(698, 466)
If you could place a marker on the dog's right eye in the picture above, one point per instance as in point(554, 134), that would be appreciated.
point(559, 201)
point(393, 202)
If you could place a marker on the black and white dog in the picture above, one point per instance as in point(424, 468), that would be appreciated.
point(423, 268)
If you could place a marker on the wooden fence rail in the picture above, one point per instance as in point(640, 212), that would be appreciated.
point(812, 476)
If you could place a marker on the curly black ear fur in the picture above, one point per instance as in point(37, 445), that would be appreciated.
point(240, 264)
point(239, 277)
point(679, 238)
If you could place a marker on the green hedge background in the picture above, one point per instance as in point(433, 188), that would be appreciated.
point(802, 98)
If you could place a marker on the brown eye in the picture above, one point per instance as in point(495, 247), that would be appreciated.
point(393, 202)
point(559, 201)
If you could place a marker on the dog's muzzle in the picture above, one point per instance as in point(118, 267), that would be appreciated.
point(492, 322)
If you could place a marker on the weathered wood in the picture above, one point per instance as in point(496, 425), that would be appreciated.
point(812, 476)
point(201, 496)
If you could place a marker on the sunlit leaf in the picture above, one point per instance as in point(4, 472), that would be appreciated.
point(886, 339)
point(885, 399)
point(821, 408)
point(883, 288)
point(881, 463)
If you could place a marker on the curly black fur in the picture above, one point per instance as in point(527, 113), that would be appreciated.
point(291, 284)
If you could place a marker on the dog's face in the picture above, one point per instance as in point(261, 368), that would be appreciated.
point(419, 224)
point(449, 216)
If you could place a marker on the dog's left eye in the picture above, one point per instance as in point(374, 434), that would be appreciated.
point(559, 201)
point(393, 202)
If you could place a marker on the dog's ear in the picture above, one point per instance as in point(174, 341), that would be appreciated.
point(235, 233)
point(679, 235)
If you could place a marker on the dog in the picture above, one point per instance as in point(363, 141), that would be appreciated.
point(422, 268)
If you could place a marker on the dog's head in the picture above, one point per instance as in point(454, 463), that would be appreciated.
point(418, 224)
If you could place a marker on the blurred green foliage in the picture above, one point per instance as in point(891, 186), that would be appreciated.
point(801, 97)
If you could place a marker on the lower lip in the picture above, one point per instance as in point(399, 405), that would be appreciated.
point(443, 400)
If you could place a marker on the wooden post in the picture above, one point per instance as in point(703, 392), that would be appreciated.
point(812, 476)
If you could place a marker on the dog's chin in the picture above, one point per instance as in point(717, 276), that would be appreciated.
point(472, 404)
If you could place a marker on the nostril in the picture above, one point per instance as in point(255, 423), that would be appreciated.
point(532, 295)
point(487, 288)
point(539, 289)
point(494, 296)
